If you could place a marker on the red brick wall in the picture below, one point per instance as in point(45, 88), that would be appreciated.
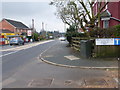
point(119, 9)
point(114, 9)
point(95, 8)
point(113, 22)
point(5, 25)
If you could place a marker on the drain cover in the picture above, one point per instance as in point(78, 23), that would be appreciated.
point(96, 81)
point(71, 57)
point(40, 82)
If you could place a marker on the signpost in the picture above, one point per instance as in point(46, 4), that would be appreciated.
point(107, 41)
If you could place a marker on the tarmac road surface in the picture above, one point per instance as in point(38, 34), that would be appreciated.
point(25, 69)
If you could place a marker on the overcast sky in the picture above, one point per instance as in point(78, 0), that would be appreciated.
point(26, 10)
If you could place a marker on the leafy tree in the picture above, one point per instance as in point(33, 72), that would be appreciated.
point(72, 32)
point(69, 34)
point(35, 36)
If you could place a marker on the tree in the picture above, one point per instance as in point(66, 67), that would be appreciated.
point(78, 12)
point(71, 31)
point(35, 36)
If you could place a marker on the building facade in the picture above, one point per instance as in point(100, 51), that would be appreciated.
point(110, 16)
point(13, 26)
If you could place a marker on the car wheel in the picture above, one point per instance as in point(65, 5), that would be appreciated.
point(10, 44)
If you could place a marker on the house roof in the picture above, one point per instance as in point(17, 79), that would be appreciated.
point(5, 31)
point(17, 24)
point(106, 13)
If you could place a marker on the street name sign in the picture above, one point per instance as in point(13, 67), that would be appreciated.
point(107, 41)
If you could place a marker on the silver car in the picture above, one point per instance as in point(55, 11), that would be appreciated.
point(16, 41)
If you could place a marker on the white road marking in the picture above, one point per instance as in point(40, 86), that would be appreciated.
point(116, 79)
point(25, 47)
point(8, 53)
point(48, 56)
point(28, 45)
point(71, 57)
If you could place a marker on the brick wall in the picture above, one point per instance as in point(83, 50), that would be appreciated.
point(113, 8)
point(5, 25)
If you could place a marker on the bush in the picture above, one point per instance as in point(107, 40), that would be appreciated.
point(35, 36)
point(72, 32)
point(69, 35)
point(117, 30)
point(107, 32)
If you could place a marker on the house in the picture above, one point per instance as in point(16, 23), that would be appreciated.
point(13, 26)
point(110, 16)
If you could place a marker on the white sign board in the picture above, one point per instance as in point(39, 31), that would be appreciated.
point(105, 41)
point(29, 33)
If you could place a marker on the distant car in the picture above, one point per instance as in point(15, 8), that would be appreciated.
point(51, 37)
point(16, 41)
point(62, 38)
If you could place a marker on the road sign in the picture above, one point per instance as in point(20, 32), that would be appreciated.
point(116, 41)
point(108, 41)
point(105, 41)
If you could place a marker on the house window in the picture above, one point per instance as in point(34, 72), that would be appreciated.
point(105, 24)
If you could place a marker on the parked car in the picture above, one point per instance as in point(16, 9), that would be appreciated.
point(51, 37)
point(16, 41)
point(62, 38)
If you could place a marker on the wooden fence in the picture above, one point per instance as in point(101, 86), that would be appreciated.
point(97, 51)
point(76, 42)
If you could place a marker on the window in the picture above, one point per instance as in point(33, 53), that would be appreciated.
point(105, 24)
point(2, 39)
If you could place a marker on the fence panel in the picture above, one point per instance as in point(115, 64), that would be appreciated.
point(97, 51)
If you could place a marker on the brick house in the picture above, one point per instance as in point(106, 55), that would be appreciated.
point(110, 16)
point(13, 26)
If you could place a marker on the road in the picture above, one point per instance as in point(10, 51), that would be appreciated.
point(22, 68)
point(14, 59)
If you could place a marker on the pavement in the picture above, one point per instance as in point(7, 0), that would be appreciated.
point(62, 55)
